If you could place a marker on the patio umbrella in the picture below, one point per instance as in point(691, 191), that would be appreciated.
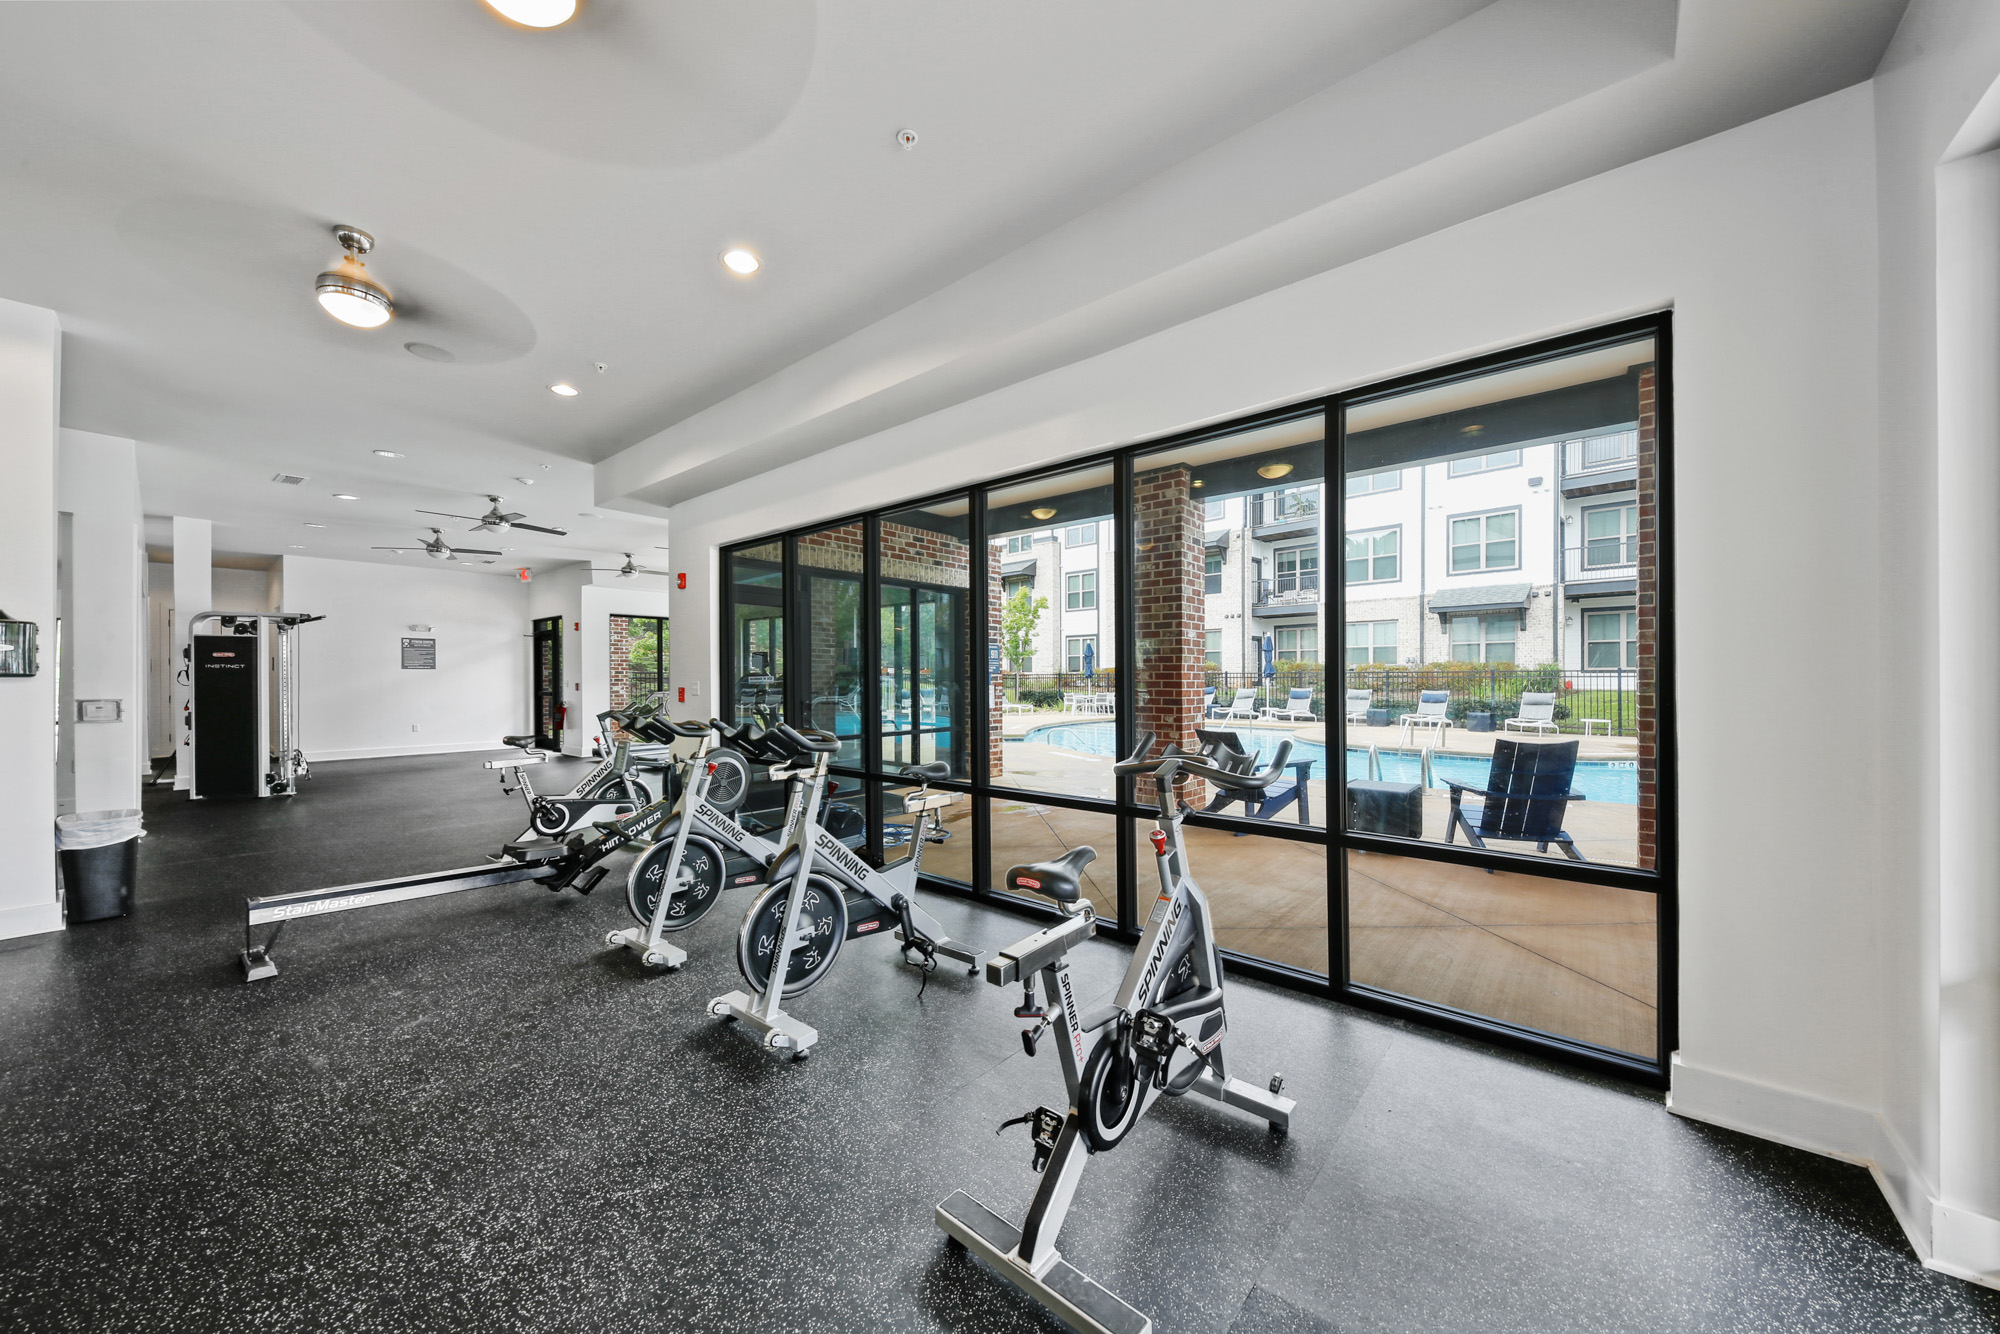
point(1090, 663)
point(1266, 654)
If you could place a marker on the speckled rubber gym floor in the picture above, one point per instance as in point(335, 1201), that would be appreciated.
point(467, 1114)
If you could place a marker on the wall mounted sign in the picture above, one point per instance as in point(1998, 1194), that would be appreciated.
point(420, 655)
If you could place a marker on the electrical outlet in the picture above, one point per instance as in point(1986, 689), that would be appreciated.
point(413, 727)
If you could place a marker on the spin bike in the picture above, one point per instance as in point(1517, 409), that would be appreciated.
point(674, 883)
point(822, 894)
point(613, 786)
point(1168, 1009)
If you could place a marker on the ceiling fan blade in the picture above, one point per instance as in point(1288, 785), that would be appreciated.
point(537, 528)
point(477, 551)
point(509, 518)
point(442, 514)
point(395, 548)
point(481, 528)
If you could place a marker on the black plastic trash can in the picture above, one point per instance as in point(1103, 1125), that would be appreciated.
point(100, 863)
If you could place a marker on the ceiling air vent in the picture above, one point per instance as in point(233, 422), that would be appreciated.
point(287, 479)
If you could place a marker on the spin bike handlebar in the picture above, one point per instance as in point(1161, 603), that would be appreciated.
point(1185, 762)
point(809, 742)
point(759, 746)
point(1136, 762)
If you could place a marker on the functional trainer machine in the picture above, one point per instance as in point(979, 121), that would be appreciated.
point(243, 718)
point(822, 893)
point(1168, 1007)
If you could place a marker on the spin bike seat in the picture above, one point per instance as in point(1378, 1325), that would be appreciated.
point(924, 773)
point(524, 742)
point(1055, 880)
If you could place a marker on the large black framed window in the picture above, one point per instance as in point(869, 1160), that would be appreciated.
point(1474, 826)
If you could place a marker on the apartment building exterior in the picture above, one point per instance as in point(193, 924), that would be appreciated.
point(1527, 555)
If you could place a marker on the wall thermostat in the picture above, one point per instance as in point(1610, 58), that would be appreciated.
point(99, 710)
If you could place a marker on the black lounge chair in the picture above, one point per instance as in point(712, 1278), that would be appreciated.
point(1523, 800)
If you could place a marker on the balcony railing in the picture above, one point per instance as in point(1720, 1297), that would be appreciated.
point(1291, 590)
point(1284, 507)
point(1610, 558)
point(1600, 453)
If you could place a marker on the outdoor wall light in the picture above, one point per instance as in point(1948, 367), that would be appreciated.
point(1043, 513)
point(346, 290)
point(1271, 472)
point(534, 13)
point(17, 647)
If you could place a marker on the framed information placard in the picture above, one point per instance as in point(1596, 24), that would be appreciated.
point(420, 655)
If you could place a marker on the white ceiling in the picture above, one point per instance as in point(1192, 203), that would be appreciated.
point(543, 202)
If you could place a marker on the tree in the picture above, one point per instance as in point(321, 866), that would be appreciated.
point(1020, 614)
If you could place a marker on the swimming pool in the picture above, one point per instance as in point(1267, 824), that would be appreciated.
point(1598, 780)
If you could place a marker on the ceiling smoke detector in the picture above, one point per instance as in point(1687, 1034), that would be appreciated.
point(346, 290)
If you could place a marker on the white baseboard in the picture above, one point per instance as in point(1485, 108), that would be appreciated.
point(31, 919)
point(1817, 1125)
point(1965, 1245)
point(391, 752)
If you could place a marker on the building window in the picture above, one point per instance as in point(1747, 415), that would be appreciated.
point(1372, 557)
point(1020, 542)
point(1369, 483)
point(1611, 535)
point(639, 666)
point(1298, 570)
point(1211, 511)
point(1506, 458)
point(1211, 573)
point(1082, 535)
point(1370, 641)
point(1211, 647)
point(1300, 502)
point(1297, 643)
point(1611, 639)
point(1486, 542)
point(1080, 591)
point(1484, 638)
point(1073, 651)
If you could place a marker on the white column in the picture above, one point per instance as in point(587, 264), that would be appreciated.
point(30, 383)
point(1965, 1217)
point(104, 633)
point(194, 593)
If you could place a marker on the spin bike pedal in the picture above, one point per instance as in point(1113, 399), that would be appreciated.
point(1155, 1034)
point(1044, 1126)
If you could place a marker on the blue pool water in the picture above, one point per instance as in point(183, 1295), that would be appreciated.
point(1598, 780)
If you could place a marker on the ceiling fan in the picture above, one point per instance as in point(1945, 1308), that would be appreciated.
point(493, 521)
point(436, 549)
point(627, 570)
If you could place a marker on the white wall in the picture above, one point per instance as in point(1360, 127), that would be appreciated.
point(194, 593)
point(356, 699)
point(105, 633)
point(30, 380)
point(1762, 241)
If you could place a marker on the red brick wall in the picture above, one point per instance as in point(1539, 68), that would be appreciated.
point(1169, 619)
point(1646, 702)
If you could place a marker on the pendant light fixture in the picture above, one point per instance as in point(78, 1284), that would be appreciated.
point(346, 290)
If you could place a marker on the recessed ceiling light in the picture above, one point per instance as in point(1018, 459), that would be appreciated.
point(387, 454)
point(315, 525)
point(346, 290)
point(741, 262)
point(535, 13)
point(342, 495)
point(566, 389)
point(525, 481)
point(294, 547)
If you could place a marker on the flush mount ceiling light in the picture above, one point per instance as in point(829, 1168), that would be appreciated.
point(315, 525)
point(294, 547)
point(565, 389)
point(1474, 429)
point(741, 262)
point(342, 495)
point(1271, 472)
point(534, 13)
point(387, 454)
point(1043, 513)
point(346, 290)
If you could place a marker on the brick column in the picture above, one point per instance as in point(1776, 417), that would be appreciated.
point(996, 691)
point(1168, 614)
point(1645, 701)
